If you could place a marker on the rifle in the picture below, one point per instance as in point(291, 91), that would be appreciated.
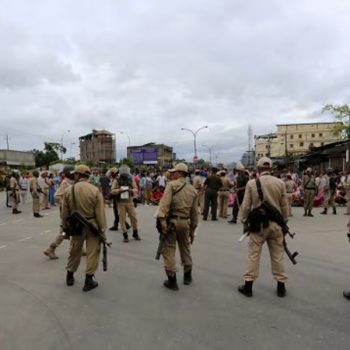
point(273, 214)
point(84, 222)
point(162, 236)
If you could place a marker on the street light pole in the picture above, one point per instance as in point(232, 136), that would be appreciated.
point(194, 133)
point(124, 133)
point(210, 151)
point(66, 131)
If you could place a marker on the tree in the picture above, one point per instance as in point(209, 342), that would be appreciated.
point(49, 154)
point(342, 115)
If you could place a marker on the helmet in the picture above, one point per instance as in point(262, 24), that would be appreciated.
point(67, 169)
point(124, 170)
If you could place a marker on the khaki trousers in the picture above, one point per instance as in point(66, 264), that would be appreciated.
point(290, 200)
point(309, 196)
point(201, 200)
point(182, 237)
point(127, 208)
point(45, 199)
point(223, 203)
point(329, 200)
point(36, 203)
point(14, 201)
point(93, 248)
point(274, 237)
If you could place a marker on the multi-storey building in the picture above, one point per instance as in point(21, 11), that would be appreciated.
point(295, 139)
point(99, 146)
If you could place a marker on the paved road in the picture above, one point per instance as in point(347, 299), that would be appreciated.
point(131, 310)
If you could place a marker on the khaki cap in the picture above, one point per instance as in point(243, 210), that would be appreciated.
point(239, 166)
point(113, 170)
point(264, 162)
point(82, 169)
point(179, 167)
point(309, 170)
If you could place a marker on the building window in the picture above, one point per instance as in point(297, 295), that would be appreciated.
point(300, 136)
point(311, 144)
point(301, 144)
point(320, 135)
point(291, 145)
point(322, 143)
point(312, 135)
point(291, 137)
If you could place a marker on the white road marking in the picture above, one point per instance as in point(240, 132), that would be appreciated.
point(47, 231)
point(3, 246)
point(4, 223)
point(19, 220)
point(24, 239)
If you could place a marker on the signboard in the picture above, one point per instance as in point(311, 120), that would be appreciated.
point(144, 155)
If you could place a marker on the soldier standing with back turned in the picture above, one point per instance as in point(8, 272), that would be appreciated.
point(90, 203)
point(274, 191)
point(35, 191)
point(178, 208)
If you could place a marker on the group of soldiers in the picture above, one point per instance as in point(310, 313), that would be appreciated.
point(178, 213)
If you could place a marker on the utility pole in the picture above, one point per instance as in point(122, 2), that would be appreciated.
point(7, 142)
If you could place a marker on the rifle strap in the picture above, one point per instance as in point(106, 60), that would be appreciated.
point(260, 192)
point(178, 190)
point(74, 199)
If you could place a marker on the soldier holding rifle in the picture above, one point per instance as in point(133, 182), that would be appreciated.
point(86, 199)
point(178, 216)
point(274, 191)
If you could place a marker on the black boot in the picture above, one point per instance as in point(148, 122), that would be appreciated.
point(305, 212)
point(113, 228)
point(346, 294)
point(15, 211)
point(334, 211)
point(246, 289)
point(188, 277)
point(89, 283)
point(309, 213)
point(324, 212)
point(127, 225)
point(126, 237)
point(70, 278)
point(171, 283)
point(233, 221)
point(136, 235)
point(281, 290)
point(37, 215)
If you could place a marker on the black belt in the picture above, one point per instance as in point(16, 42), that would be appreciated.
point(308, 188)
point(223, 190)
point(179, 217)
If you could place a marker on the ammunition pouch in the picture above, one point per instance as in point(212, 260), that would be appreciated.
point(171, 225)
point(257, 220)
point(73, 225)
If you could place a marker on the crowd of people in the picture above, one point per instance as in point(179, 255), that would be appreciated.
point(182, 196)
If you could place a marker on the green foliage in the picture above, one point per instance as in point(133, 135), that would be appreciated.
point(128, 162)
point(49, 154)
point(342, 115)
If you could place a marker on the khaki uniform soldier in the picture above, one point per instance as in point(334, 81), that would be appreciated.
point(125, 189)
point(90, 203)
point(178, 207)
point(45, 188)
point(66, 182)
point(35, 191)
point(224, 194)
point(289, 187)
point(309, 188)
point(329, 189)
point(274, 191)
point(14, 187)
point(198, 185)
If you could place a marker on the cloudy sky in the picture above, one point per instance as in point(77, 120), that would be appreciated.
point(150, 67)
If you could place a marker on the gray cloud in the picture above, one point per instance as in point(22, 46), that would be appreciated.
point(149, 68)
